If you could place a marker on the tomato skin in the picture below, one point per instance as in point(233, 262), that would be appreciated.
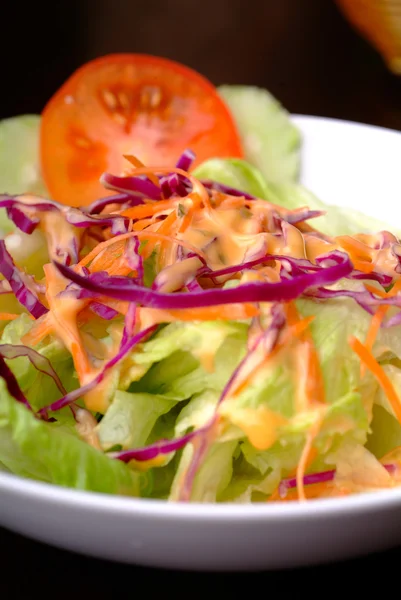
point(149, 107)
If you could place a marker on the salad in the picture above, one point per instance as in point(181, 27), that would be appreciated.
point(180, 318)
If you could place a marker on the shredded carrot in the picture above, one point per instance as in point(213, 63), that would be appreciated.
point(4, 316)
point(311, 491)
point(141, 235)
point(374, 290)
point(63, 315)
point(354, 247)
point(40, 330)
point(163, 229)
point(197, 188)
point(378, 317)
point(140, 225)
point(364, 267)
point(147, 210)
point(137, 163)
point(378, 372)
point(223, 312)
point(187, 218)
point(305, 458)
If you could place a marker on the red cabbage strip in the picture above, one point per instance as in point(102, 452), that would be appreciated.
point(39, 206)
point(134, 259)
point(131, 185)
point(23, 214)
point(129, 323)
point(79, 219)
point(293, 266)
point(23, 294)
point(40, 362)
point(186, 159)
point(322, 477)
point(22, 220)
point(303, 215)
point(382, 278)
point(291, 483)
point(225, 189)
point(78, 393)
point(283, 291)
point(161, 447)
point(174, 185)
point(269, 339)
point(103, 311)
point(396, 252)
point(12, 384)
point(365, 299)
point(121, 199)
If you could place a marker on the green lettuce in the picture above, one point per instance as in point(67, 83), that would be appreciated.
point(235, 173)
point(131, 418)
point(40, 389)
point(271, 142)
point(52, 453)
point(19, 161)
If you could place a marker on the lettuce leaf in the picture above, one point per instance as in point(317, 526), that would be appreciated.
point(130, 419)
point(52, 453)
point(271, 142)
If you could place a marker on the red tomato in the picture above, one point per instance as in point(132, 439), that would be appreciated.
point(135, 104)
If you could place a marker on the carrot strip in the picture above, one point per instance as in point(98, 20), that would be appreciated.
point(378, 317)
point(163, 229)
point(311, 491)
point(305, 458)
point(10, 316)
point(141, 235)
point(138, 164)
point(378, 372)
point(364, 267)
point(40, 329)
point(187, 218)
point(147, 210)
point(355, 247)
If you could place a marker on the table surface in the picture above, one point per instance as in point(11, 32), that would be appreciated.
point(305, 53)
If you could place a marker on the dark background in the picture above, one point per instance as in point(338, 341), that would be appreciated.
point(306, 54)
point(303, 51)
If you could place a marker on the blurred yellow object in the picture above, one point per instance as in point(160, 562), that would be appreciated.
point(379, 21)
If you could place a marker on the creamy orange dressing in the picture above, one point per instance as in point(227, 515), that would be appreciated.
point(224, 231)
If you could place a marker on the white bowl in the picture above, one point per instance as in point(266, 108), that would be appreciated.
point(343, 163)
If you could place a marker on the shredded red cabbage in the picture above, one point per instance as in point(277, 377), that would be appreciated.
point(134, 259)
point(122, 288)
point(225, 189)
point(12, 384)
point(161, 447)
point(303, 215)
point(365, 299)
point(71, 397)
point(16, 279)
point(40, 362)
point(129, 323)
point(103, 311)
point(21, 220)
point(131, 185)
point(322, 477)
point(121, 199)
point(174, 185)
point(186, 159)
point(79, 219)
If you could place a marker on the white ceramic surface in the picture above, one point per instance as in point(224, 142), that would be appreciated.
point(342, 163)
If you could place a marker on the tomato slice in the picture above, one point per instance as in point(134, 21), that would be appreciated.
point(135, 104)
